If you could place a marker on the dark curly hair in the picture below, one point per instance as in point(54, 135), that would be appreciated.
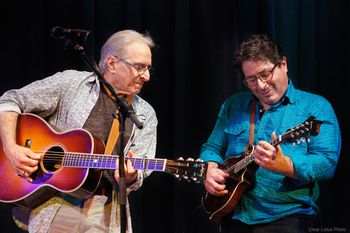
point(258, 47)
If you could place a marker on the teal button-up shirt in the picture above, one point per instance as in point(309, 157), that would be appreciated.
point(274, 195)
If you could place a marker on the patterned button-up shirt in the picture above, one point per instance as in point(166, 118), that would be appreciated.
point(65, 100)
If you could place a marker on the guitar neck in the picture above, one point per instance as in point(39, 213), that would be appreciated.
point(79, 160)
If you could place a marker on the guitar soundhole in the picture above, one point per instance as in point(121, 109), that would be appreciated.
point(53, 159)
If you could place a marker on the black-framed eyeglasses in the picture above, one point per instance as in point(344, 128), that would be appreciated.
point(140, 68)
point(264, 76)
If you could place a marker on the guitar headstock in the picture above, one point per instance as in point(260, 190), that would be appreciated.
point(188, 169)
point(310, 127)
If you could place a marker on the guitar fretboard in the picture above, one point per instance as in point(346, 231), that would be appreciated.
point(110, 162)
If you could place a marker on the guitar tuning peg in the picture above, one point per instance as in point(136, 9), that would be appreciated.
point(181, 159)
point(199, 160)
point(185, 177)
point(194, 179)
point(190, 159)
point(177, 176)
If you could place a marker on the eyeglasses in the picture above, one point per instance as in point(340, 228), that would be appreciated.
point(264, 76)
point(140, 68)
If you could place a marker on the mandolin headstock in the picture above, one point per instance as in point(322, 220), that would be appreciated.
point(310, 127)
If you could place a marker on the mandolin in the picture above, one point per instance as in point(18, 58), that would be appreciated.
point(241, 170)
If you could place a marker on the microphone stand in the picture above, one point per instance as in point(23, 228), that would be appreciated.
point(124, 112)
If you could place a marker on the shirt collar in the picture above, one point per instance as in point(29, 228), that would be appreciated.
point(290, 94)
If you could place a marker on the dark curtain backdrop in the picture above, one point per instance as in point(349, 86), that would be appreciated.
point(193, 76)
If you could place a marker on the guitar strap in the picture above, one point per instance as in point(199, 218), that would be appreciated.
point(114, 131)
point(113, 135)
point(252, 123)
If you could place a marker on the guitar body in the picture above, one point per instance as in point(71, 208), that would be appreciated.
point(35, 133)
point(236, 184)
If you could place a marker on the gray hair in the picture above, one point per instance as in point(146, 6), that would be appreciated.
point(117, 45)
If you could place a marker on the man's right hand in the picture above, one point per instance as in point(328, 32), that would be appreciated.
point(215, 180)
point(23, 160)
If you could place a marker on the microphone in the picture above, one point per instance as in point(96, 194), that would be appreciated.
point(60, 33)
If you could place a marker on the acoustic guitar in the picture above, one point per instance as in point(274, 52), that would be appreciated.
point(242, 169)
point(73, 162)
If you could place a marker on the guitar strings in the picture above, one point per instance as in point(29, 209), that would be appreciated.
point(54, 157)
